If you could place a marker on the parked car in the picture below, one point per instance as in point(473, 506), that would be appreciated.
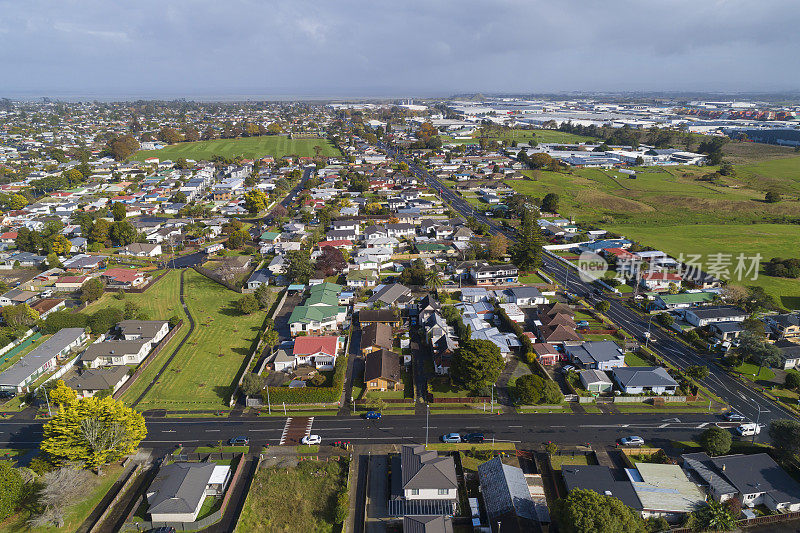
point(633, 440)
point(566, 369)
point(372, 415)
point(453, 438)
point(311, 439)
point(239, 441)
point(583, 324)
point(6, 394)
point(473, 438)
point(733, 416)
point(746, 430)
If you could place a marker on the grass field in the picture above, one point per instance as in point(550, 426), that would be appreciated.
point(76, 513)
point(202, 373)
point(161, 301)
point(524, 136)
point(769, 240)
point(302, 498)
point(249, 148)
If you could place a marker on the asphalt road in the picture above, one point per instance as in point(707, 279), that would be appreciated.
point(164, 433)
point(752, 404)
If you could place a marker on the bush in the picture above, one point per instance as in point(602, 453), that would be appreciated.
point(313, 394)
point(247, 304)
point(173, 321)
point(105, 319)
point(63, 319)
point(342, 506)
point(10, 489)
point(602, 306)
point(792, 381)
point(716, 441)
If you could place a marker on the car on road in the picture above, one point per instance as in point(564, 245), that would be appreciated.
point(372, 415)
point(633, 440)
point(598, 292)
point(473, 438)
point(453, 438)
point(746, 430)
point(311, 439)
point(239, 441)
point(583, 324)
point(733, 416)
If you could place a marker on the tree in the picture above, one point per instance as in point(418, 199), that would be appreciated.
point(19, 315)
point(123, 233)
point(63, 319)
point(785, 437)
point(792, 381)
point(263, 296)
point(697, 372)
point(331, 261)
point(61, 395)
point(92, 289)
point(657, 524)
point(93, 432)
point(60, 489)
point(713, 516)
point(476, 364)
point(551, 394)
point(758, 351)
point(253, 384)
point(101, 229)
point(585, 511)
point(298, 266)
point(528, 389)
point(526, 254)
point(10, 489)
point(60, 245)
point(122, 147)
point(550, 203)
point(773, 197)
point(665, 319)
point(118, 210)
point(602, 306)
point(255, 200)
point(716, 440)
point(105, 319)
point(271, 338)
point(498, 246)
point(247, 304)
point(169, 135)
point(433, 280)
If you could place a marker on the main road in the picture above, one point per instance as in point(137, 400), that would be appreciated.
point(752, 404)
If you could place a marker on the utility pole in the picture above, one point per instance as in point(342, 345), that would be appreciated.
point(269, 406)
point(427, 417)
point(47, 399)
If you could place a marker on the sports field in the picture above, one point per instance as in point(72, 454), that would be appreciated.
point(769, 240)
point(248, 148)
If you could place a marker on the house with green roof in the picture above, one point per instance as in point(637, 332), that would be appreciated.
point(325, 286)
point(316, 318)
point(683, 300)
point(362, 278)
point(430, 248)
point(270, 236)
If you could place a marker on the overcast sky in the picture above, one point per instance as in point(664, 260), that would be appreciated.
point(115, 48)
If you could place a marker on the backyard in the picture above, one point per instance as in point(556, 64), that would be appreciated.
point(300, 498)
point(249, 147)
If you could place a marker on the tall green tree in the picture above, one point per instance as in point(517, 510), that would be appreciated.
point(526, 254)
point(550, 202)
point(298, 266)
point(10, 489)
point(118, 210)
point(585, 511)
point(477, 364)
point(716, 440)
point(785, 437)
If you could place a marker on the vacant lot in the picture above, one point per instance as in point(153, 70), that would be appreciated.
point(161, 300)
point(202, 373)
point(524, 136)
point(302, 498)
point(770, 240)
point(250, 147)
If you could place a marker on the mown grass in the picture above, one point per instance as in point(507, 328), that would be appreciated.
point(202, 373)
point(250, 147)
point(161, 301)
point(302, 498)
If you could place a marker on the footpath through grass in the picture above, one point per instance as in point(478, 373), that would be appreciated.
point(300, 498)
point(249, 147)
point(202, 373)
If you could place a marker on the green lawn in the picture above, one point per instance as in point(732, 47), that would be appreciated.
point(202, 373)
point(532, 277)
point(632, 359)
point(302, 498)
point(250, 148)
point(769, 240)
point(524, 136)
point(75, 513)
point(161, 300)
point(751, 372)
point(557, 461)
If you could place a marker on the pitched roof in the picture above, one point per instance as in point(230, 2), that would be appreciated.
point(644, 376)
point(376, 334)
point(423, 469)
point(97, 378)
point(376, 315)
point(382, 364)
point(389, 294)
point(427, 524)
point(758, 473)
point(179, 487)
point(312, 344)
point(599, 479)
point(505, 490)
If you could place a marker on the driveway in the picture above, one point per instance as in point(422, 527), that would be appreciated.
point(378, 494)
point(282, 318)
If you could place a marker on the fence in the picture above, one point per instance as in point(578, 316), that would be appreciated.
point(749, 522)
point(467, 399)
point(149, 359)
point(131, 477)
point(13, 348)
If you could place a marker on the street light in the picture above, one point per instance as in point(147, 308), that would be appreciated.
point(427, 417)
point(647, 335)
point(758, 419)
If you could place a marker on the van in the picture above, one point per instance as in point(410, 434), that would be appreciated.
point(746, 430)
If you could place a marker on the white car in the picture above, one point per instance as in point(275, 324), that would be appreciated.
point(311, 439)
point(633, 440)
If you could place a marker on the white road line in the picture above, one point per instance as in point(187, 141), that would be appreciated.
point(211, 430)
point(515, 426)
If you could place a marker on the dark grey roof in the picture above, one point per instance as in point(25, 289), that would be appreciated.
point(599, 479)
point(389, 294)
point(144, 329)
point(525, 292)
point(376, 334)
point(786, 320)
point(94, 379)
point(261, 275)
point(700, 463)
point(382, 364)
point(505, 490)
point(596, 352)
point(427, 524)
point(644, 376)
point(758, 473)
point(179, 487)
point(422, 469)
point(717, 311)
point(789, 349)
point(113, 349)
point(30, 363)
point(727, 327)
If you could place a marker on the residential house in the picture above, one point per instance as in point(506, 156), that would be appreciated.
point(726, 331)
point(115, 352)
point(546, 353)
point(427, 524)
point(258, 278)
point(595, 381)
point(424, 480)
point(598, 478)
point(703, 316)
point(644, 379)
point(598, 355)
point(382, 371)
point(123, 278)
point(17, 296)
point(88, 382)
point(428, 306)
point(139, 249)
point(683, 300)
point(659, 281)
point(506, 497)
point(754, 479)
point(525, 296)
point(494, 274)
point(394, 294)
point(362, 278)
point(41, 359)
point(385, 316)
point(785, 326)
point(664, 491)
point(472, 295)
point(376, 336)
point(84, 263)
point(320, 352)
point(48, 305)
point(513, 312)
point(179, 489)
point(790, 353)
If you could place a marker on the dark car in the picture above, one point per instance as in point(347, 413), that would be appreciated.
point(473, 438)
point(239, 441)
point(6, 394)
point(372, 415)
point(733, 416)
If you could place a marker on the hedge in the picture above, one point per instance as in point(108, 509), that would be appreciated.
point(330, 394)
point(527, 344)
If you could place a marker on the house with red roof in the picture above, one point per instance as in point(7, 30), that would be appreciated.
point(340, 243)
point(8, 237)
point(123, 278)
point(659, 281)
point(317, 351)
